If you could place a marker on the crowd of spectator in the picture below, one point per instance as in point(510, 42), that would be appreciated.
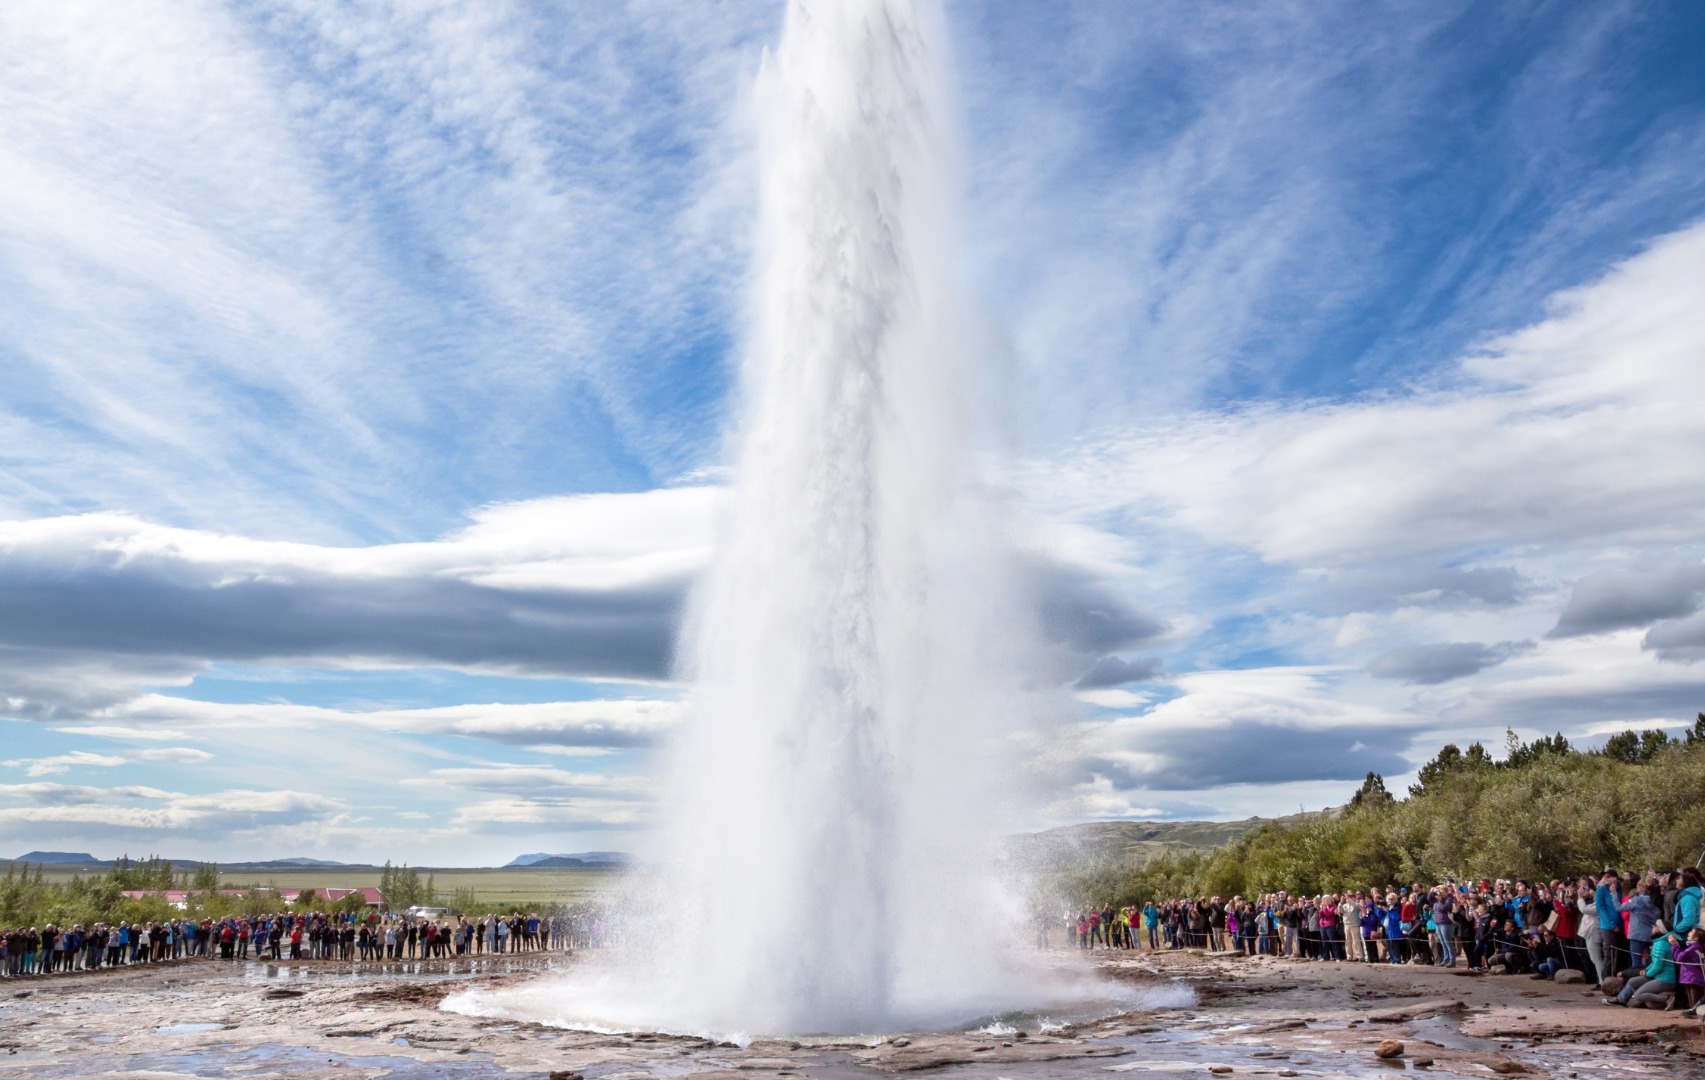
point(356, 938)
point(1637, 936)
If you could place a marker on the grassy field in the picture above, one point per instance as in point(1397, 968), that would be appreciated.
point(502, 887)
point(499, 887)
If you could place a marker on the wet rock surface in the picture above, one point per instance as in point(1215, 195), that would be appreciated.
point(1249, 1018)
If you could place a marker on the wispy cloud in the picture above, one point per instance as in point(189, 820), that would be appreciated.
point(286, 266)
point(1570, 430)
point(150, 815)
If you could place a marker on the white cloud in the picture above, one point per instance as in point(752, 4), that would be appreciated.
point(544, 796)
point(53, 794)
point(1576, 686)
point(534, 780)
point(1113, 699)
point(275, 254)
point(47, 766)
point(598, 723)
point(148, 815)
point(498, 814)
point(113, 731)
point(59, 763)
point(102, 605)
point(1262, 725)
point(181, 755)
point(1578, 429)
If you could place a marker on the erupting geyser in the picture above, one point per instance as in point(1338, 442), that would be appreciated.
point(853, 649)
point(856, 651)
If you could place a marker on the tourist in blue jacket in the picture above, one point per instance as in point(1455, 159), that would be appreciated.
point(1687, 902)
point(1643, 908)
point(1607, 902)
point(1394, 936)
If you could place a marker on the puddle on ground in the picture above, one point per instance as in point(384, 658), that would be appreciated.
point(225, 1061)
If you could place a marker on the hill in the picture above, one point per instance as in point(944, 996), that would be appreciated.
point(546, 860)
point(1136, 842)
point(60, 858)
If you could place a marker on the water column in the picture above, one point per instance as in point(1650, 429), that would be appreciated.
point(849, 647)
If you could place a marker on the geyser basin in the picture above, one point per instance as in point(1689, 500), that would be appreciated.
point(1053, 993)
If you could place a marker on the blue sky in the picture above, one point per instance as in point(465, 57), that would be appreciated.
point(365, 365)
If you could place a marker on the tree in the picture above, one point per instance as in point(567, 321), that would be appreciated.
point(155, 873)
point(1450, 762)
point(1519, 755)
point(206, 877)
point(1372, 792)
point(1696, 734)
point(351, 904)
point(401, 887)
point(1636, 747)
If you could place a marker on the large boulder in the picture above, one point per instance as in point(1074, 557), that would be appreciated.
point(1569, 975)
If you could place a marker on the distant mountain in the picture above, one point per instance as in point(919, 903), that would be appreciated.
point(80, 858)
point(547, 861)
point(62, 858)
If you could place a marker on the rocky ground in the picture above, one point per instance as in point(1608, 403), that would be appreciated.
point(1252, 1018)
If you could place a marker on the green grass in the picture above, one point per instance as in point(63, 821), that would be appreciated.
point(499, 887)
point(504, 887)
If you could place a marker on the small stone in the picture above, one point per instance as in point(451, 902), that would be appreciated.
point(1509, 1068)
point(565, 1074)
point(1021, 1035)
point(1569, 975)
point(1422, 1063)
point(902, 1041)
point(1388, 1048)
point(1220, 1069)
point(1288, 1072)
point(1612, 986)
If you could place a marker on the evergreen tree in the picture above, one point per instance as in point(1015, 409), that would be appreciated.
point(1519, 755)
point(1636, 747)
point(1431, 775)
point(1372, 792)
